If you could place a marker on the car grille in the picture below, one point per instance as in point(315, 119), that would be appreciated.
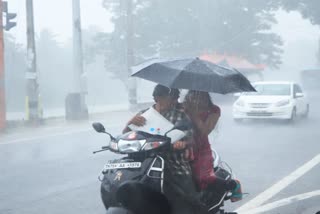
point(259, 105)
point(260, 114)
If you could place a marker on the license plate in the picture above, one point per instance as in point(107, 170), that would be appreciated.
point(122, 165)
point(257, 111)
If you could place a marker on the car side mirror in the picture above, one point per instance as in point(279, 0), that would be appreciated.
point(297, 95)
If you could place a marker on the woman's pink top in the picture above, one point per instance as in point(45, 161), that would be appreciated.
point(202, 164)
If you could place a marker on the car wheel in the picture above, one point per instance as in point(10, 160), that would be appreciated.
point(306, 113)
point(293, 115)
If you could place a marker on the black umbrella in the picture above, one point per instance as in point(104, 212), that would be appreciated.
point(193, 74)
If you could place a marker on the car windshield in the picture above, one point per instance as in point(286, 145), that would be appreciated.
point(271, 90)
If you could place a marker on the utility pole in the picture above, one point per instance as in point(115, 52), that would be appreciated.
point(8, 25)
point(33, 111)
point(132, 86)
point(76, 107)
point(2, 79)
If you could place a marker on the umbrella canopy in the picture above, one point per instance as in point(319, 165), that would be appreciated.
point(193, 74)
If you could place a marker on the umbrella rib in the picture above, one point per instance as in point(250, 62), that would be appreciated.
point(173, 80)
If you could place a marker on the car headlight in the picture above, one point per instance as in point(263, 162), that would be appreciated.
point(240, 103)
point(283, 103)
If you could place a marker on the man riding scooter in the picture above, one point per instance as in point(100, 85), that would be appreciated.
point(179, 186)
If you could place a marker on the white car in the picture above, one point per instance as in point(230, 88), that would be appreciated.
point(273, 100)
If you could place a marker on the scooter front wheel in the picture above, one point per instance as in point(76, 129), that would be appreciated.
point(118, 210)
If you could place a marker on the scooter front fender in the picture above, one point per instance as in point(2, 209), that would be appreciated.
point(118, 210)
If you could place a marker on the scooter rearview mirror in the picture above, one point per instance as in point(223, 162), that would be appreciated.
point(98, 127)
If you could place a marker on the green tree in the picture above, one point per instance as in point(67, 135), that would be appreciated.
point(54, 62)
point(15, 68)
point(188, 28)
point(91, 49)
point(308, 8)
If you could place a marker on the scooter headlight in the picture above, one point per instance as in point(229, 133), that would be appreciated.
point(130, 146)
point(152, 145)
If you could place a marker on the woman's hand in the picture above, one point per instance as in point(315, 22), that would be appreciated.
point(179, 145)
point(191, 112)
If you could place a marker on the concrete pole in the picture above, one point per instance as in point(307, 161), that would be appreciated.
point(76, 107)
point(132, 86)
point(2, 79)
point(77, 46)
point(33, 111)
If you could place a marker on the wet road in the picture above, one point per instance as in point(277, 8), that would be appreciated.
point(53, 170)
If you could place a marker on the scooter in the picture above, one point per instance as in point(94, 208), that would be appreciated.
point(129, 184)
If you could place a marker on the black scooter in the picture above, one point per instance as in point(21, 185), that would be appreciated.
point(134, 183)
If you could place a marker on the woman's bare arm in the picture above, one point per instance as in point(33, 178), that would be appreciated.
point(207, 126)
